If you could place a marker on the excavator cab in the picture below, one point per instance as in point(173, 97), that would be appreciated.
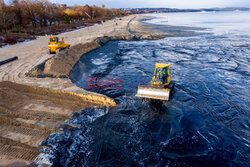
point(55, 44)
point(53, 40)
point(161, 77)
point(159, 85)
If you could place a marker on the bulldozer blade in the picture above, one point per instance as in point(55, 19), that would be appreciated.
point(153, 92)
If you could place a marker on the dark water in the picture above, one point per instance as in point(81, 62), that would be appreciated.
point(206, 122)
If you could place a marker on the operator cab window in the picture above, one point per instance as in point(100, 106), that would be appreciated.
point(161, 74)
point(53, 39)
point(164, 75)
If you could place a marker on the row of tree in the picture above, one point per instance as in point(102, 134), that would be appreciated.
point(23, 13)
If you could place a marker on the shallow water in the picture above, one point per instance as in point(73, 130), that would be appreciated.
point(206, 122)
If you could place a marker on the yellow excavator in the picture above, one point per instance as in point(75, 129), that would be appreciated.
point(160, 87)
point(55, 44)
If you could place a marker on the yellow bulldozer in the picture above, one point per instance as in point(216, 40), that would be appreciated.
point(160, 87)
point(55, 44)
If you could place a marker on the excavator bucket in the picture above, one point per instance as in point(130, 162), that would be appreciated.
point(153, 92)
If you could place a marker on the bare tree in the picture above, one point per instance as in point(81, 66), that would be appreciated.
point(17, 8)
point(31, 11)
point(6, 17)
point(45, 13)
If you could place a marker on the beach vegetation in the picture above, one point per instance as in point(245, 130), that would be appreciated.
point(41, 17)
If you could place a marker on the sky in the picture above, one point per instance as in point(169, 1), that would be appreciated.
point(182, 4)
point(159, 3)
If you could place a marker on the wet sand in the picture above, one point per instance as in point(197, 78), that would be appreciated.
point(144, 29)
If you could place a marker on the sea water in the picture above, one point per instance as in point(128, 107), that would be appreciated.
point(205, 123)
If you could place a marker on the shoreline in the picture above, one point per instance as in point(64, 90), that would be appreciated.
point(41, 93)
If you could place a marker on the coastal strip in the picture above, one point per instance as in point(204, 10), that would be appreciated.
point(36, 95)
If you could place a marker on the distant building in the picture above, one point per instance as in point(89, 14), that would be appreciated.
point(62, 5)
